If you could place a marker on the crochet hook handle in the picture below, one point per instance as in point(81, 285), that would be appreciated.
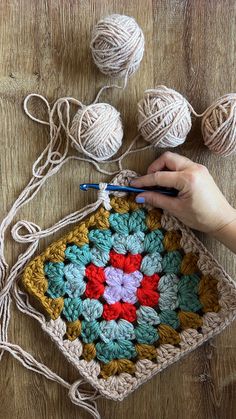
point(117, 188)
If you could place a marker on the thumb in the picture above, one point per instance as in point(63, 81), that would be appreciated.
point(158, 200)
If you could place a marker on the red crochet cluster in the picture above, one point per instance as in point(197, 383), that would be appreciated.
point(147, 294)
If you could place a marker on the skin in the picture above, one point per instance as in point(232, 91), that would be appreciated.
point(200, 204)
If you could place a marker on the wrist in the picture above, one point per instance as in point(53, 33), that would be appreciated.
point(226, 223)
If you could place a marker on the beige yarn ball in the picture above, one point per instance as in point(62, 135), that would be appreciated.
point(164, 117)
point(117, 45)
point(219, 125)
point(97, 131)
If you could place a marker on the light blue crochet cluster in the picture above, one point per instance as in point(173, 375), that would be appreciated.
point(128, 234)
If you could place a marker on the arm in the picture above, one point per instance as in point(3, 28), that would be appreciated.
point(200, 204)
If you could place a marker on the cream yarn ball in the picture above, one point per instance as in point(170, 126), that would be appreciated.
point(219, 125)
point(97, 131)
point(164, 117)
point(117, 45)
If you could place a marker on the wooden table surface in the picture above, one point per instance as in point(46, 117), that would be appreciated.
point(44, 48)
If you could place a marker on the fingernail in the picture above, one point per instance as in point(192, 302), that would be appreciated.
point(140, 199)
point(133, 180)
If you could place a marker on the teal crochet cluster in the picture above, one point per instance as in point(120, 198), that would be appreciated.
point(122, 286)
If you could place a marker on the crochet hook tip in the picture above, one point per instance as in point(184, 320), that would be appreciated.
point(83, 187)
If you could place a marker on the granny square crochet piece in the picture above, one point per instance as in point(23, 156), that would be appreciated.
point(128, 292)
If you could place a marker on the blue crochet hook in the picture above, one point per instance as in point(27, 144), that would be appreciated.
point(117, 188)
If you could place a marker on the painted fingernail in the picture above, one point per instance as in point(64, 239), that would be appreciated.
point(140, 199)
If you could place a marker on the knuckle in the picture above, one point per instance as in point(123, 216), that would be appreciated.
point(202, 169)
point(155, 177)
point(192, 177)
point(196, 175)
point(174, 206)
point(167, 154)
point(151, 199)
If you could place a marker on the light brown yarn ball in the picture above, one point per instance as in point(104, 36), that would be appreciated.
point(97, 131)
point(117, 45)
point(219, 125)
point(164, 117)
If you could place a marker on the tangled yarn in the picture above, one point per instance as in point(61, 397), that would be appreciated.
point(97, 131)
point(117, 45)
point(164, 117)
point(219, 125)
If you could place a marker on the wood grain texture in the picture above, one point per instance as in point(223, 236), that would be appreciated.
point(44, 47)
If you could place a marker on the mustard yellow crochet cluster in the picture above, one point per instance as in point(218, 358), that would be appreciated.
point(123, 285)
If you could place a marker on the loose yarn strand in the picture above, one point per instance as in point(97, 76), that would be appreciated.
point(73, 131)
point(25, 196)
point(63, 116)
point(33, 237)
point(113, 86)
point(51, 159)
point(130, 150)
point(24, 357)
point(198, 115)
point(48, 163)
point(82, 398)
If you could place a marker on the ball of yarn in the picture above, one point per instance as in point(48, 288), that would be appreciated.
point(117, 45)
point(164, 117)
point(219, 125)
point(97, 131)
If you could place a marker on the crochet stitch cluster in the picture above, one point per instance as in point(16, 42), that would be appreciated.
point(123, 285)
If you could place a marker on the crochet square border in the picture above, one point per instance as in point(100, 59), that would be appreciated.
point(115, 378)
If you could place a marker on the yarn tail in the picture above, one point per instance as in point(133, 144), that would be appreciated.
point(49, 162)
point(53, 157)
point(79, 397)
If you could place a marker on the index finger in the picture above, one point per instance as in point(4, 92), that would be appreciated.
point(166, 179)
point(171, 161)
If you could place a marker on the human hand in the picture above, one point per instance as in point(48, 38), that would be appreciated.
point(199, 204)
